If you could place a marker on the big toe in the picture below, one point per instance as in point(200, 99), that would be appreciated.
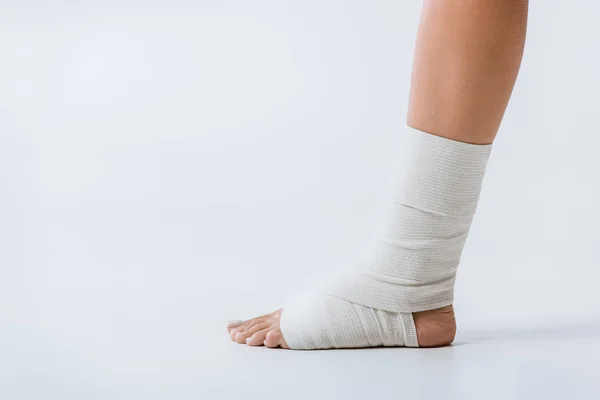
point(275, 339)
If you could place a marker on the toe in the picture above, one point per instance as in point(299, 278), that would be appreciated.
point(258, 327)
point(258, 338)
point(241, 336)
point(233, 327)
point(275, 339)
point(241, 328)
point(237, 330)
point(233, 324)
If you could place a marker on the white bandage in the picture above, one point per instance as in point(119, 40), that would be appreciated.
point(413, 268)
point(322, 321)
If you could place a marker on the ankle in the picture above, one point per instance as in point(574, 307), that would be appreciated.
point(435, 328)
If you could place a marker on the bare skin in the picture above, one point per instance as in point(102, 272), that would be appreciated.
point(467, 58)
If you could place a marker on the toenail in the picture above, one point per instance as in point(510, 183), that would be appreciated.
point(234, 322)
point(248, 340)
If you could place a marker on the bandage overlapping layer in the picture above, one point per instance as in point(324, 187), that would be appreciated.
point(413, 266)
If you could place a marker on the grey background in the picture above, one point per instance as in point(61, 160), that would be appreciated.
point(167, 166)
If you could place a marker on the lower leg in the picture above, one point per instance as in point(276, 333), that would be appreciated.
point(467, 58)
point(466, 61)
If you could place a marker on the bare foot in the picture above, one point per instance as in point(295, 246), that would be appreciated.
point(259, 331)
point(435, 328)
